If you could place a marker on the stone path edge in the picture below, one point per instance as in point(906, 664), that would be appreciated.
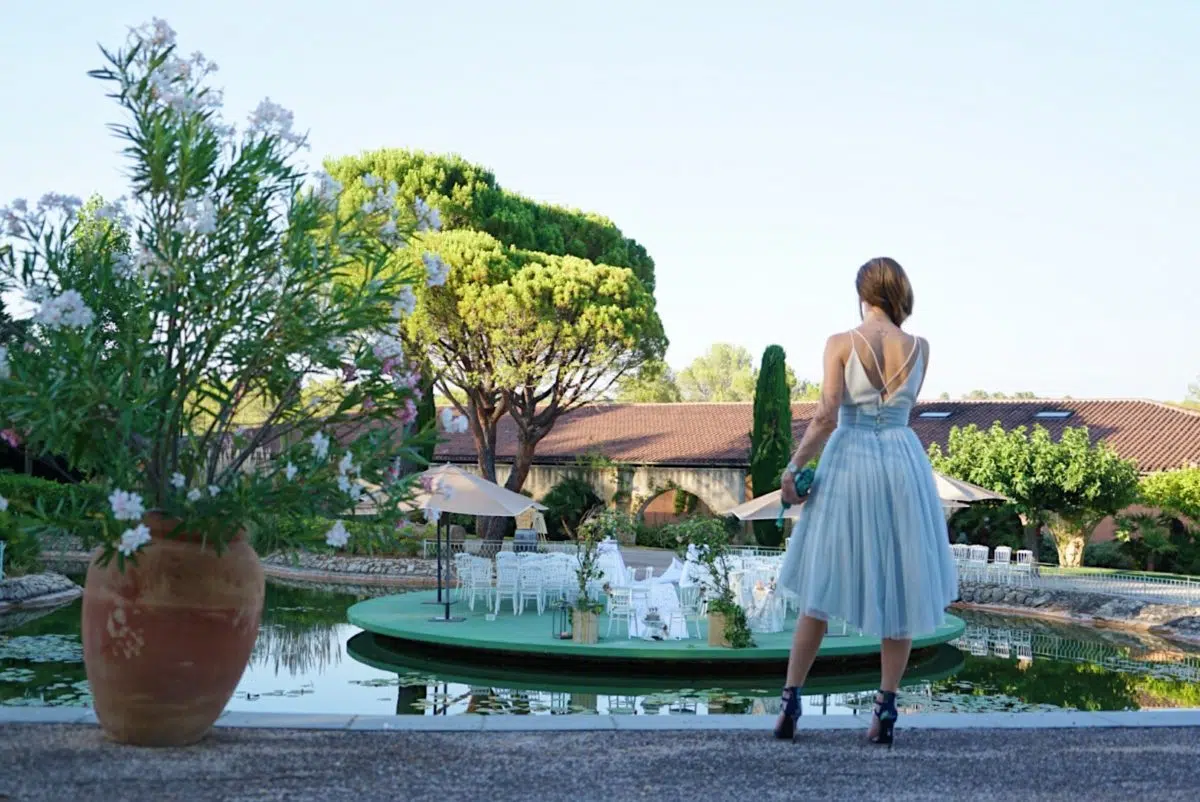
point(630, 723)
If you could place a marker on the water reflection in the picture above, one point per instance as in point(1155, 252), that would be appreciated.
point(300, 664)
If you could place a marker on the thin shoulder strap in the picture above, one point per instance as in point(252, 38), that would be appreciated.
point(871, 351)
point(912, 352)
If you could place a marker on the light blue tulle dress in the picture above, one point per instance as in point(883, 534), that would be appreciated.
point(870, 546)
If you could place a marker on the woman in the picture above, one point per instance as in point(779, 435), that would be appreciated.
point(870, 546)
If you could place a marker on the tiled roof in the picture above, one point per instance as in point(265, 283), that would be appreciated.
point(1156, 436)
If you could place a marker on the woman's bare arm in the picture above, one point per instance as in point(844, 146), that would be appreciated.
point(824, 421)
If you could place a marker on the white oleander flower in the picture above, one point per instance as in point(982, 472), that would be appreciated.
point(428, 218)
point(178, 480)
point(269, 118)
point(5, 367)
point(290, 471)
point(454, 423)
point(199, 217)
point(355, 491)
point(405, 304)
point(327, 188)
point(388, 231)
point(320, 444)
point(436, 271)
point(3, 504)
point(194, 495)
point(347, 466)
point(156, 32)
point(133, 539)
point(214, 491)
point(337, 536)
point(67, 204)
point(370, 181)
point(65, 310)
point(114, 212)
point(126, 506)
point(343, 483)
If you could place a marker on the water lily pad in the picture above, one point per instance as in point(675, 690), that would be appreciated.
point(42, 648)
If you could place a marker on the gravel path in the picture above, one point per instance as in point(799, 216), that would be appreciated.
point(74, 763)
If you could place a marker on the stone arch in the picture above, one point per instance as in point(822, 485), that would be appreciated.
point(719, 489)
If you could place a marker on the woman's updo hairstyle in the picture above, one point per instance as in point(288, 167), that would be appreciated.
point(883, 283)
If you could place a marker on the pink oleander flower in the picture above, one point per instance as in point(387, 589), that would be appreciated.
point(368, 403)
point(11, 437)
point(408, 413)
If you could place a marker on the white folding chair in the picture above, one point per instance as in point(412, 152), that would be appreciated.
point(1002, 564)
point(620, 608)
point(479, 582)
point(1023, 568)
point(531, 586)
point(508, 583)
point(977, 563)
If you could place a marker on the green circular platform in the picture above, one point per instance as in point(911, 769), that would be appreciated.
point(528, 637)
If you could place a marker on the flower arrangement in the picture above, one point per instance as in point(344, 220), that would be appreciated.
point(592, 531)
point(227, 277)
point(711, 540)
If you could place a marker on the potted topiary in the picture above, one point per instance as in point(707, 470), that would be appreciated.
point(228, 279)
point(727, 624)
point(585, 618)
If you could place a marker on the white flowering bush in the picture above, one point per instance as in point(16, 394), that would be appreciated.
point(227, 275)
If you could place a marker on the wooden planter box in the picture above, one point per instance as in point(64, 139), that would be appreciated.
point(585, 627)
point(716, 630)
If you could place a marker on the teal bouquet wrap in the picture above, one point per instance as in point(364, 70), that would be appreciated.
point(803, 480)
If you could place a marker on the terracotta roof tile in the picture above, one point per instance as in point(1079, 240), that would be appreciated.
point(1156, 436)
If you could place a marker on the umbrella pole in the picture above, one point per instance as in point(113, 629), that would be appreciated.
point(446, 599)
point(437, 546)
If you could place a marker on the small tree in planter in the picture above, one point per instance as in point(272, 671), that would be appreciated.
point(594, 529)
point(727, 625)
point(243, 283)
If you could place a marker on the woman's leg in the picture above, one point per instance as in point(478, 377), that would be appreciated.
point(805, 642)
point(893, 659)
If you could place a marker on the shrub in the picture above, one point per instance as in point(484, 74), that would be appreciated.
point(60, 505)
point(368, 537)
point(654, 537)
point(567, 503)
point(989, 524)
point(22, 551)
point(1110, 554)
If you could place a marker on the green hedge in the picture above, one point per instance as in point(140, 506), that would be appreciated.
point(27, 535)
point(367, 537)
point(31, 490)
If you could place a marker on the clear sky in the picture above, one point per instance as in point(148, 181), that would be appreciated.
point(1033, 165)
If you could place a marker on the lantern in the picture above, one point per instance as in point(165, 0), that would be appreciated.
point(560, 621)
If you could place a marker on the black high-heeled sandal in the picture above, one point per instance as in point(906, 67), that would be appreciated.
point(885, 712)
point(786, 729)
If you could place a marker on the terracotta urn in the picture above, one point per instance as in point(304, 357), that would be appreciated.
point(166, 640)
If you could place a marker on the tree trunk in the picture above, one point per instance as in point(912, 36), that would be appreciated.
point(497, 528)
point(1070, 550)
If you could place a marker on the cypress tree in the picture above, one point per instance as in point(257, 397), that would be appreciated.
point(771, 439)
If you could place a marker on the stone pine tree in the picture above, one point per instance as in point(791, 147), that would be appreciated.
point(771, 438)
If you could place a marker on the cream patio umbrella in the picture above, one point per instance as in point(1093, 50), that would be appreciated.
point(446, 488)
point(956, 490)
point(954, 493)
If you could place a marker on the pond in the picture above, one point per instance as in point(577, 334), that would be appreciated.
point(308, 660)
